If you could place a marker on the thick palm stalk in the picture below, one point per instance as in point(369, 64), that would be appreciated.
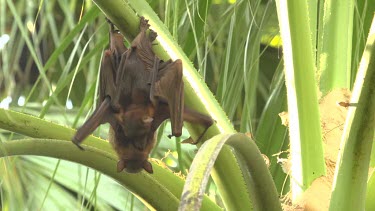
point(353, 163)
point(306, 150)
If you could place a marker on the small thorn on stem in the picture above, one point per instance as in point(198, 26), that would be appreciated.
point(346, 104)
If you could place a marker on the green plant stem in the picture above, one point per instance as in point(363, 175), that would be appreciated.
point(352, 167)
point(307, 161)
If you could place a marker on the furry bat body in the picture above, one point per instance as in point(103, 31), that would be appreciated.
point(138, 91)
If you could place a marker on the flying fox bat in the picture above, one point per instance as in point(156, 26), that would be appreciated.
point(138, 91)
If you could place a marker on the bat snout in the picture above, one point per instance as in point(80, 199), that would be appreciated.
point(134, 166)
point(133, 170)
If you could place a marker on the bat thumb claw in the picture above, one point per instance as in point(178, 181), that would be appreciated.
point(107, 19)
point(170, 136)
point(143, 26)
point(77, 144)
point(189, 141)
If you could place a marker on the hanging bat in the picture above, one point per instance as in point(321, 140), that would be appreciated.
point(138, 91)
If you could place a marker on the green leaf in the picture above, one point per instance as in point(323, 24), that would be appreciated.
point(306, 150)
point(271, 136)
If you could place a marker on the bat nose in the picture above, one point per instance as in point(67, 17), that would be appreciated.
point(134, 166)
point(133, 170)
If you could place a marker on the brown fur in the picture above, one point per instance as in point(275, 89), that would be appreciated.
point(138, 91)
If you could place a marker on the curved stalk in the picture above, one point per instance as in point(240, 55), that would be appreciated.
point(155, 189)
point(264, 194)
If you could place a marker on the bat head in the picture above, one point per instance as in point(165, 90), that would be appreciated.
point(134, 166)
point(132, 153)
point(133, 146)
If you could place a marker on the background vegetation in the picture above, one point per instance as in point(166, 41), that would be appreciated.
point(49, 68)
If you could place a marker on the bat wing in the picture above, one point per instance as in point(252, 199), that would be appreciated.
point(107, 77)
point(191, 116)
point(116, 45)
point(161, 114)
point(167, 93)
point(104, 112)
point(116, 41)
point(169, 87)
point(143, 44)
point(195, 117)
point(101, 115)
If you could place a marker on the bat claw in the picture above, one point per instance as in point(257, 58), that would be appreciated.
point(190, 141)
point(112, 26)
point(152, 35)
point(143, 26)
point(170, 136)
point(109, 21)
point(77, 144)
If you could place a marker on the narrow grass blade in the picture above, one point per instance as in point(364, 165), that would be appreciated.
point(271, 136)
point(25, 36)
point(335, 45)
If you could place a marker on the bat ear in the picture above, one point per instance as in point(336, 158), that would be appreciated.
point(121, 165)
point(148, 167)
